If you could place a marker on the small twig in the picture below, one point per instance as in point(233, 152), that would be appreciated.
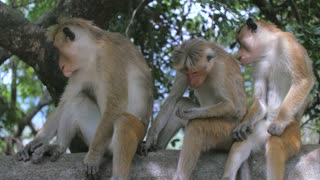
point(44, 101)
point(296, 12)
point(132, 18)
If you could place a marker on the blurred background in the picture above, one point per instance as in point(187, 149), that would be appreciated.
point(155, 27)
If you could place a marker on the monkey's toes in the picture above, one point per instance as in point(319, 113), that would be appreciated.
point(92, 171)
point(91, 166)
point(23, 155)
point(55, 156)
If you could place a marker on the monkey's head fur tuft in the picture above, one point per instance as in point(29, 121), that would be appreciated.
point(189, 53)
point(64, 24)
point(251, 24)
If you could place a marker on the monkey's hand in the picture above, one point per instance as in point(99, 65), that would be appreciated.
point(28, 150)
point(53, 150)
point(92, 163)
point(242, 131)
point(187, 114)
point(145, 147)
point(276, 128)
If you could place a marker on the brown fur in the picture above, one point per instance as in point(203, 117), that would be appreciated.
point(273, 53)
point(220, 92)
point(106, 68)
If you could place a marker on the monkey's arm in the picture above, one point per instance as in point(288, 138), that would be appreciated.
point(302, 83)
point(46, 133)
point(224, 108)
point(102, 135)
point(178, 88)
point(256, 112)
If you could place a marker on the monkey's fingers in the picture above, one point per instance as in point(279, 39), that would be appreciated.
point(142, 149)
point(240, 135)
point(276, 129)
point(39, 153)
point(23, 155)
point(92, 171)
point(182, 114)
point(55, 153)
point(35, 146)
point(92, 164)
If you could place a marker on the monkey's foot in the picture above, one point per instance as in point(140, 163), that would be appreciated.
point(225, 178)
point(143, 148)
point(91, 165)
point(277, 128)
point(27, 151)
point(118, 178)
point(178, 176)
point(52, 150)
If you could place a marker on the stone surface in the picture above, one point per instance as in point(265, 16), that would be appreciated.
point(158, 165)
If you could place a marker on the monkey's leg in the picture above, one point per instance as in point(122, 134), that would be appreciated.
point(128, 133)
point(280, 149)
point(174, 123)
point(240, 151)
point(190, 153)
point(88, 117)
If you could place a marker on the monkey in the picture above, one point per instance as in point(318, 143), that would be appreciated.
point(215, 77)
point(108, 99)
point(282, 79)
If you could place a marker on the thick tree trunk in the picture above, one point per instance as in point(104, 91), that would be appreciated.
point(160, 165)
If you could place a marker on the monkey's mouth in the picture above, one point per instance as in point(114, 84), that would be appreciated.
point(196, 78)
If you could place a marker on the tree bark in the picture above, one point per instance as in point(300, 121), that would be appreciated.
point(160, 165)
point(28, 41)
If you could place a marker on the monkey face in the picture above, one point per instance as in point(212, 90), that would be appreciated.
point(247, 50)
point(195, 59)
point(76, 49)
point(255, 41)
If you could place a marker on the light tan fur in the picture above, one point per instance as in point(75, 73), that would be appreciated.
point(283, 79)
point(218, 85)
point(108, 79)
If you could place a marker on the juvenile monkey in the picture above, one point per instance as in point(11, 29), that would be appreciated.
point(282, 80)
point(218, 85)
point(108, 99)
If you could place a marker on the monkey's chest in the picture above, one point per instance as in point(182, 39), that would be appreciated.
point(207, 96)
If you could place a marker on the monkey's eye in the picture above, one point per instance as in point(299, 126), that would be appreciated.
point(210, 57)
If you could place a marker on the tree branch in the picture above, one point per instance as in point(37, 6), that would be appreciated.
point(267, 10)
point(28, 41)
point(100, 11)
point(296, 11)
point(160, 165)
point(4, 55)
point(44, 101)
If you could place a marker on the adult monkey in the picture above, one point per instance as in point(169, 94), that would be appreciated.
point(218, 85)
point(108, 99)
point(283, 79)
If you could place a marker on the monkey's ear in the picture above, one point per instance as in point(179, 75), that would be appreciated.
point(251, 24)
point(69, 34)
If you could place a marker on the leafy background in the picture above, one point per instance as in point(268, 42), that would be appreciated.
point(156, 29)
